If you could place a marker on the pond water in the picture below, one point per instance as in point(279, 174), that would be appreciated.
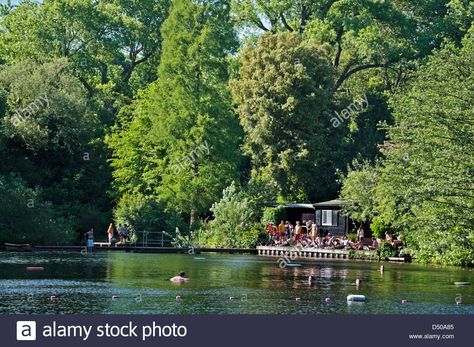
point(119, 282)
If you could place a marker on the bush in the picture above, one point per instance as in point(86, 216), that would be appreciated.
point(379, 227)
point(240, 237)
point(24, 218)
point(231, 226)
point(386, 250)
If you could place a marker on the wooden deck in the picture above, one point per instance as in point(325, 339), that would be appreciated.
point(306, 253)
point(104, 247)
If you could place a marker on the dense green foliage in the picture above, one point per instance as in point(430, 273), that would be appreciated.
point(51, 138)
point(199, 116)
point(425, 184)
point(284, 100)
point(274, 215)
point(232, 224)
point(188, 151)
point(358, 192)
point(27, 218)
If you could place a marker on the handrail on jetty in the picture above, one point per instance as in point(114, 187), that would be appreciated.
point(151, 238)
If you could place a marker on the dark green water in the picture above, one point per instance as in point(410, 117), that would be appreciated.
point(86, 284)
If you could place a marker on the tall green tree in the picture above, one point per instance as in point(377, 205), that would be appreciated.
point(184, 121)
point(358, 192)
point(49, 130)
point(426, 183)
point(362, 34)
point(114, 45)
point(284, 101)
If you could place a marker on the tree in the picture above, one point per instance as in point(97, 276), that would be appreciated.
point(284, 98)
point(426, 182)
point(362, 34)
point(114, 45)
point(358, 192)
point(49, 131)
point(191, 139)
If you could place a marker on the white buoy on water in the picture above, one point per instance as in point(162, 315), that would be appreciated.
point(356, 298)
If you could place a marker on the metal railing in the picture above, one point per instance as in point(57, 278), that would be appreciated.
point(151, 239)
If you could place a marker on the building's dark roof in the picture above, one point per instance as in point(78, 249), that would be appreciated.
point(294, 205)
point(330, 203)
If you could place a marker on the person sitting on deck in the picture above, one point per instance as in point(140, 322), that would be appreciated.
point(344, 242)
point(180, 278)
point(356, 245)
point(375, 244)
point(330, 240)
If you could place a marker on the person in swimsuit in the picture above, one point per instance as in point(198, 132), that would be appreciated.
point(314, 234)
point(180, 278)
point(297, 231)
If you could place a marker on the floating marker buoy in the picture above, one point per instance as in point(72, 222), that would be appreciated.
point(356, 298)
point(114, 297)
point(462, 283)
point(178, 297)
point(34, 268)
point(404, 301)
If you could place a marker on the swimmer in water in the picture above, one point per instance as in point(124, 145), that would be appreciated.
point(310, 279)
point(180, 278)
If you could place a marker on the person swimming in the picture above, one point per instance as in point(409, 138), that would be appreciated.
point(180, 278)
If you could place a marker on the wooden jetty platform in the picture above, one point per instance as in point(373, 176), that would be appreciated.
point(104, 247)
point(307, 253)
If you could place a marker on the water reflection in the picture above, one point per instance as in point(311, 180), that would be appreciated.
point(118, 282)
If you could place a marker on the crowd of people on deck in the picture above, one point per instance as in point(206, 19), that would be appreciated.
point(308, 234)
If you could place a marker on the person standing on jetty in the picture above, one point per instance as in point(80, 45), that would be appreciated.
point(110, 232)
point(360, 233)
point(89, 236)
